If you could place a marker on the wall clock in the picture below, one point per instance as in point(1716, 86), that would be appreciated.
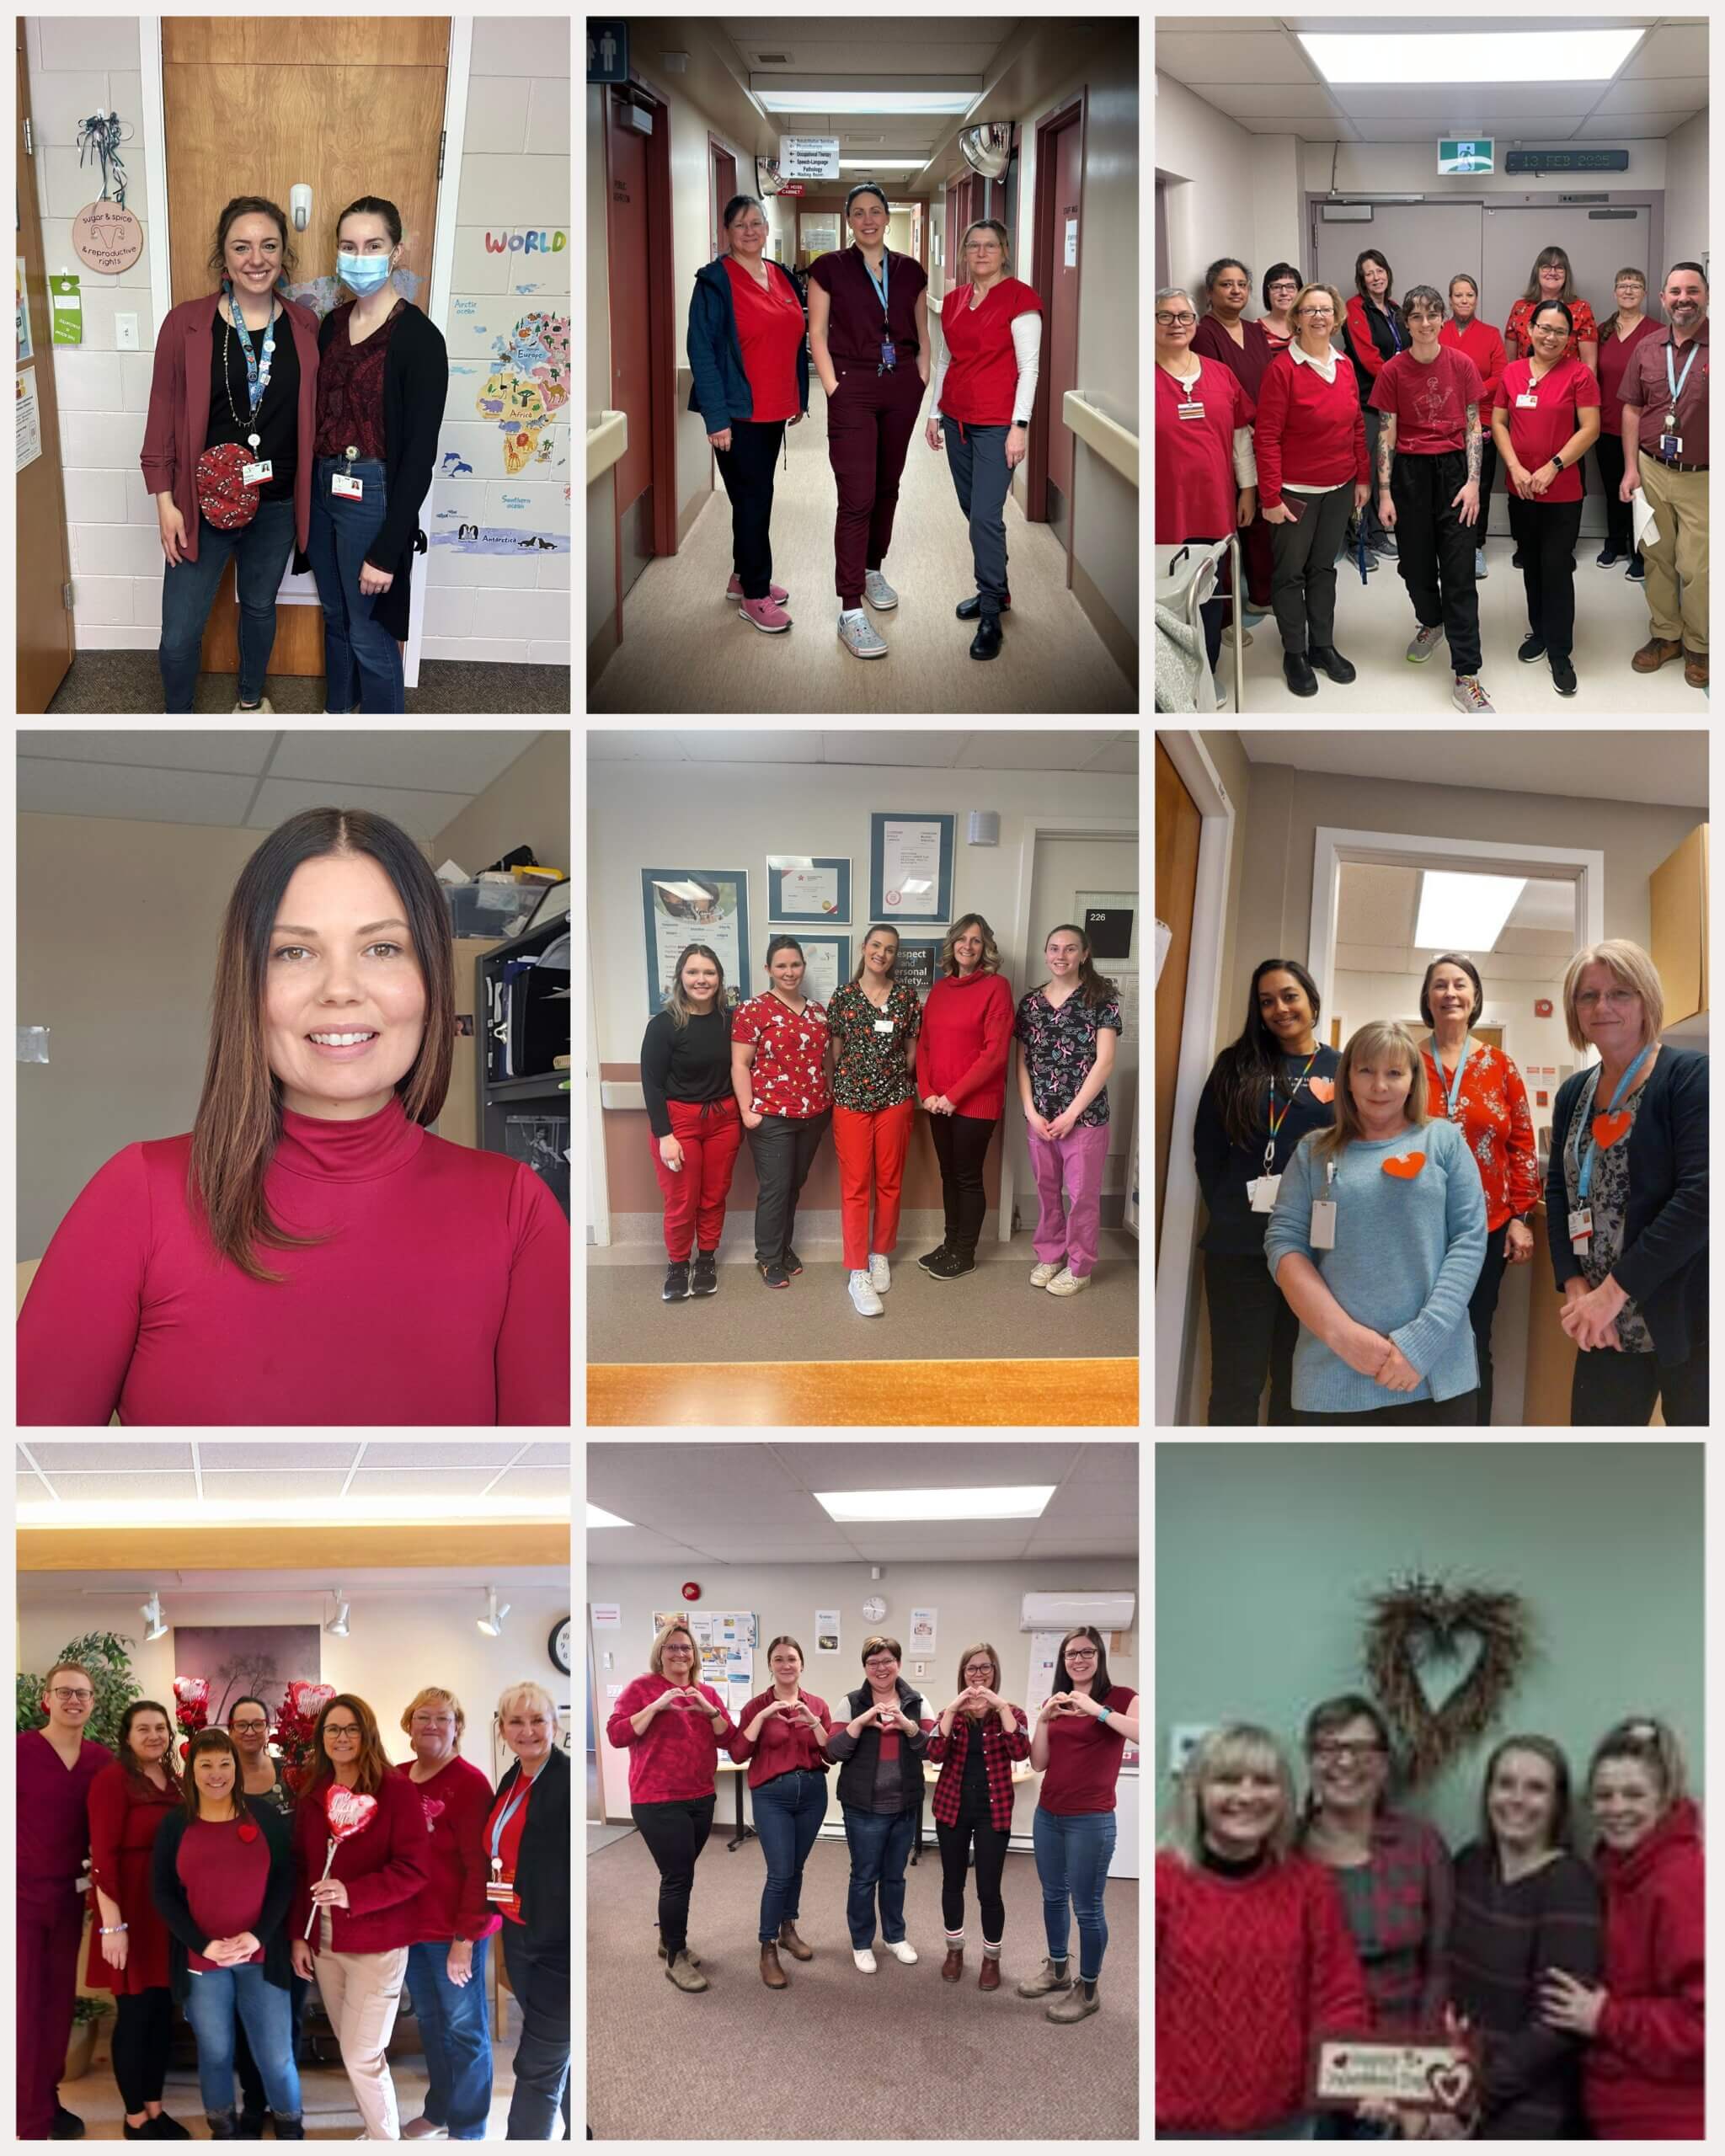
point(557, 1646)
point(873, 1609)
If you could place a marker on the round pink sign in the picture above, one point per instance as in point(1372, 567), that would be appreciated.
point(107, 237)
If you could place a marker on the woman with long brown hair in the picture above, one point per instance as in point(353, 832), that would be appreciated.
point(695, 1126)
point(872, 1022)
point(1067, 1032)
point(308, 1253)
point(962, 1047)
point(976, 1742)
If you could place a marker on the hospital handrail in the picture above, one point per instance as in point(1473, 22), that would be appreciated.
point(1115, 445)
point(607, 440)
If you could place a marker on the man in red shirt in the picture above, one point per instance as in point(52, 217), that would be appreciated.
point(1665, 453)
point(1428, 453)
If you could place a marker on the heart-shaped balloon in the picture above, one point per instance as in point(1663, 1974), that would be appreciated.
point(348, 1812)
point(1608, 1129)
point(1322, 1089)
point(1404, 1167)
point(314, 1697)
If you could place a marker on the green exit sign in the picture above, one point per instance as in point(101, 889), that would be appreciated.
point(1468, 154)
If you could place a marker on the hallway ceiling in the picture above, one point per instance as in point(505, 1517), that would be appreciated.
point(1667, 768)
point(877, 748)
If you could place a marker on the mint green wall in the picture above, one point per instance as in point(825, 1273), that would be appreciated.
point(1264, 1553)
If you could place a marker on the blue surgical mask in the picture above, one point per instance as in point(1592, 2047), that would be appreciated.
point(365, 273)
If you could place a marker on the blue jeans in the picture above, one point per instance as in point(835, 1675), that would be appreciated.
point(212, 1999)
point(789, 1811)
point(361, 660)
point(455, 2028)
point(1072, 1855)
point(880, 1848)
point(261, 549)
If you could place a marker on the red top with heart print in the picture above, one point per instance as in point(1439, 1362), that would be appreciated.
point(451, 1905)
point(1084, 1757)
point(786, 1742)
point(676, 1756)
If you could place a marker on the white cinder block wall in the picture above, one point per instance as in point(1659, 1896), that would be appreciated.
point(513, 181)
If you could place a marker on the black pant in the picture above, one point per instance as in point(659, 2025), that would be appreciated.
point(1303, 583)
point(675, 1833)
point(1435, 550)
point(990, 1862)
point(1253, 1334)
point(783, 1151)
point(1482, 1309)
point(251, 2081)
point(143, 2024)
point(1610, 1386)
point(1545, 532)
point(1487, 480)
point(542, 2063)
point(746, 469)
point(961, 1146)
point(1620, 531)
point(1460, 1409)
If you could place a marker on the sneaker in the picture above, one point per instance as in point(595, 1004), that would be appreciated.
point(1425, 642)
point(253, 711)
point(1608, 557)
point(864, 1958)
point(931, 1258)
point(1515, 562)
point(422, 2129)
point(774, 1275)
point(1533, 647)
point(776, 592)
point(766, 614)
point(860, 637)
point(1563, 677)
point(676, 1283)
point(1383, 544)
point(953, 1266)
point(1042, 1274)
point(862, 1295)
point(1637, 571)
point(902, 1949)
point(878, 591)
point(1468, 696)
point(1068, 1282)
point(793, 1264)
point(880, 1273)
point(1480, 570)
point(703, 1274)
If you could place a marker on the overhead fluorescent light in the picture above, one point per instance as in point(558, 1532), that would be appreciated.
point(596, 1518)
point(1422, 59)
point(867, 100)
point(1464, 913)
point(881, 164)
point(1027, 1501)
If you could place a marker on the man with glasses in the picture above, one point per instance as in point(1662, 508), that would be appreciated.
point(55, 1767)
point(1206, 478)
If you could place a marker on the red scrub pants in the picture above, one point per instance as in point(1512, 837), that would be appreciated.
point(46, 1975)
point(871, 1147)
point(711, 1133)
point(870, 419)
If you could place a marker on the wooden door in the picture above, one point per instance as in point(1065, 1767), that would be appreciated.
point(346, 105)
point(45, 639)
point(1063, 321)
point(1179, 825)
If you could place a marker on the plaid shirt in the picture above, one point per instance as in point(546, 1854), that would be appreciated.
point(998, 1753)
point(1399, 1909)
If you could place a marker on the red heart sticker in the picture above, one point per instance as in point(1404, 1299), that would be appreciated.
point(1608, 1129)
point(1322, 1089)
point(1404, 1167)
point(432, 1806)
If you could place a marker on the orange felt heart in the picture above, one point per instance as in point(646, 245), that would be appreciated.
point(1322, 1089)
point(1405, 1168)
point(1608, 1129)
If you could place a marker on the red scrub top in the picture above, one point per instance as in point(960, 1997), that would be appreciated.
point(1534, 434)
point(1583, 328)
point(1196, 495)
point(854, 327)
point(982, 365)
point(1247, 361)
point(1614, 356)
point(769, 330)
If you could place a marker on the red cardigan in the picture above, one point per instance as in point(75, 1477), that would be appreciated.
point(1643, 2076)
point(1313, 426)
point(124, 1814)
point(961, 1050)
point(179, 409)
point(457, 1802)
point(384, 1867)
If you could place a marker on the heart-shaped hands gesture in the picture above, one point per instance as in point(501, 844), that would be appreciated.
point(1065, 1703)
point(688, 1695)
point(890, 1717)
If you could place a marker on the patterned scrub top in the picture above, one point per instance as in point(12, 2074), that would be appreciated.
point(1059, 1048)
point(869, 1068)
point(789, 1070)
point(1608, 1194)
point(1491, 1110)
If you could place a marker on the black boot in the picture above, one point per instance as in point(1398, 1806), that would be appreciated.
point(1326, 656)
point(986, 641)
point(222, 2126)
point(704, 1280)
point(250, 2124)
point(68, 2125)
point(1296, 670)
point(163, 2128)
point(676, 1282)
point(290, 2129)
point(967, 610)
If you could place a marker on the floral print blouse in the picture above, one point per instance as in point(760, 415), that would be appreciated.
point(1491, 1110)
point(1058, 1048)
point(788, 1073)
point(869, 1068)
point(1608, 1195)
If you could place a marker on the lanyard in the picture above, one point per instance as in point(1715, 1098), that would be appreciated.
point(1452, 1087)
point(879, 282)
point(1277, 1121)
point(524, 1790)
point(1623, 1086)
point(257, 378)
point(1676, 385)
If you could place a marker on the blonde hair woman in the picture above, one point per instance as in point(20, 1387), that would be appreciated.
point(1376, 1241)
point(962, 1047)
point(1627, 1198)
point(527, 1842)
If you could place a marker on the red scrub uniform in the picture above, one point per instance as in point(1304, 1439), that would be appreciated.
point(53, 1838)
point(872, 415)
point(1539, 430)
point(1196, 493)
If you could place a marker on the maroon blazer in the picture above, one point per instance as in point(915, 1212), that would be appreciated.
point(179, 413)
point(385, 1868)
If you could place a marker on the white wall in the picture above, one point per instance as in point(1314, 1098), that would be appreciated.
point(1509, 1002)
point(1216, 213)
point(1687, 223)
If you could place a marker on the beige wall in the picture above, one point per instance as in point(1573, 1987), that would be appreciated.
point(527, 805)
point(601, 495)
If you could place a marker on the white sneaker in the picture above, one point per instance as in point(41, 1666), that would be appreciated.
point(865, 1961)
point(902, 1949)
point(862, 1295)
point(880, 1273)
point(1043, 1273)
point(1068, 1282)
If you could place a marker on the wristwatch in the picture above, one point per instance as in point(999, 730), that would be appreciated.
point(1556, 459)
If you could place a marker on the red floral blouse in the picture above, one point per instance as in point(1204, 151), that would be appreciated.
point(788, 1073)
point(1492, 1111)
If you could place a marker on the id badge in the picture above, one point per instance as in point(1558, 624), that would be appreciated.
point(500, 1890)
point(1527, 402)
point(1191, 411)
point(1671, 444)
point(353, 489)
point(883, 1025)
point(254, 475)
point(889, 352)
point(1581, 1227)
point(1262, 1191)
point(1323, 1224)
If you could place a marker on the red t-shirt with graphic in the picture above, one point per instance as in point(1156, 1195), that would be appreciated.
point(1429, 398)
point(788, 1074)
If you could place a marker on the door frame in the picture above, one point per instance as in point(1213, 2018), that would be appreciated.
point(1074, 112)
point(661, 350)
point(715, 208)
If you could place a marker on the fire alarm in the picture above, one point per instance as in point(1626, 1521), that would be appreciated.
point(692, 1590)
point(1542, 1008)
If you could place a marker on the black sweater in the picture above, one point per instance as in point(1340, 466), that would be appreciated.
point(689, 1062)
point(1224, 1169)
point(543, 1870)
point(185, 1937)
point(859, 1756)
point(1664, 1262)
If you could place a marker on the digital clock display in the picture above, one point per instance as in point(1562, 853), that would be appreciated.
point(1559, 161)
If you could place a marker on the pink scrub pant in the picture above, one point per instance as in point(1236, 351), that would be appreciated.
point(46, 1975)
point(1076, 1162)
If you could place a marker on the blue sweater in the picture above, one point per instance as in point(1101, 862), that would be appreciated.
point(719, 389)
point(1408, 1255)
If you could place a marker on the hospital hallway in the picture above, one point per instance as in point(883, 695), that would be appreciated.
point(1028, 126)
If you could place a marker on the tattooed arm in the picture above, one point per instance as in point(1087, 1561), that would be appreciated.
point(1476, 444)
point(1387, 450)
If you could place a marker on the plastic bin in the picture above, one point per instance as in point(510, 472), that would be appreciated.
point(487, 909)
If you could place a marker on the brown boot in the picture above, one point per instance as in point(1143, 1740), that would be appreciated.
point(682, 1974)
point(953, 1966)
point(1657, 652)
point(771, 1975)
point(1695, 669)
point(990, 1980)
point(792, 1945)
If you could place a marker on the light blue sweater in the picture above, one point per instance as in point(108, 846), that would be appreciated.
point(1407, 1256)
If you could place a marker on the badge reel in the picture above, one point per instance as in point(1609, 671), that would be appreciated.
point(1670, 444)
point(344, 484)
point(260, 469)
point(1323, 1213)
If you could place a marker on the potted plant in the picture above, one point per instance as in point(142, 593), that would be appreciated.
point(86, 2013)
point(103, 1654)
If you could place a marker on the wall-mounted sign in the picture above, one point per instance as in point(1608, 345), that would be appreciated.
point(1470, 154)
point(808, 156)
point(1539, 161)
point(107, 237)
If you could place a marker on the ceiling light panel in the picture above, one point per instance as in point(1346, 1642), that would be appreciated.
point(1463, 913)
point(73, 1456)
point(1469, 57)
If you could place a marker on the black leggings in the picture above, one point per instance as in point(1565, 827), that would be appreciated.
point(961, 1146)
point(990, 1863)
point(675, 1833)
point(1252, 1332)
point(143, 2022)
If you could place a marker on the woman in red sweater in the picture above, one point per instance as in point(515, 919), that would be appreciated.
point(354, 1901)
point(782, 1734)
point(1644, 2075)
point(1253, 1955)
point(1464, 332)
point(961, 1080)
point(338, 1264)
point(672, 1726)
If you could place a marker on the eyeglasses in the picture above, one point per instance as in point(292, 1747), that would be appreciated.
point(60, 1692)
point(1619, 998)
point(1425, 316)
point(1284, 287)
point(1329, 1750)
point(341, 1729)
point(247, 1728)
point(1318, 314)
point(1175, 321)
point(1080, 1654)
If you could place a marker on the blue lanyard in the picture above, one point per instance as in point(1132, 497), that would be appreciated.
point(257, 377)
point(1452, 1087)
point(1676, 386)
point(1623, 1086)
point(879, 285)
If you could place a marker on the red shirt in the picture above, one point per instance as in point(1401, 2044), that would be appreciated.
point(788, 1073)
point(1645, 384)
point(982, 372)
point(124, 1814)
point(1538, 432)
point(1246, 362)
point(1084, 1757)
point(1614, 364)
point(351, 387)
point(1309, 431)
point(1584, 329)
point(504, 1822)
point(1429, 399)
point(456, 1801)
point(224, 1867)
point(770, 330)
point(1493, 1115)
point(1197, 496)
point(676, 1756)
point(384, 1866)
point(785, 1743)
point(1485, 348)
point(962, 1048)
point(1642, 2076)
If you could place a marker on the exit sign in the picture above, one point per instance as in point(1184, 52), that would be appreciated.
point(1468, 154)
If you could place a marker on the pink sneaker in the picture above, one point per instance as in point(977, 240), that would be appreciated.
point(766, 614)
point(776, 592)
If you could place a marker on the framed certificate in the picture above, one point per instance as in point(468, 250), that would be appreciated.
point(681, 907)
point(910, 867)
point(827, 966)
point(811, 887)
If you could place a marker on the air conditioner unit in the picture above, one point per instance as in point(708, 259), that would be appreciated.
point(1064, 1613)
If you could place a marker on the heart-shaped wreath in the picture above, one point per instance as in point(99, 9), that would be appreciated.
point(1417, 1620)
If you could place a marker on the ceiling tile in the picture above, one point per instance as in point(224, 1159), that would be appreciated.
point(462, 761)
point(49, 789)
point(421, 815)
point(177, 751)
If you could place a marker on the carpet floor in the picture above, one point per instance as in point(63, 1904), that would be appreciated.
point(118, 682)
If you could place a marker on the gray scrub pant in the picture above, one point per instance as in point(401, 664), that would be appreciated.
point(977, 457)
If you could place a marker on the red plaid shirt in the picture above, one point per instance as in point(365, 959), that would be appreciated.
point(998, 1753)
point(1399, 1909)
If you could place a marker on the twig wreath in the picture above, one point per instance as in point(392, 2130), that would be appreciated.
point(1417, 1619)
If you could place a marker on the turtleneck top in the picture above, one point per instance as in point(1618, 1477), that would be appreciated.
point(442, 1296)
